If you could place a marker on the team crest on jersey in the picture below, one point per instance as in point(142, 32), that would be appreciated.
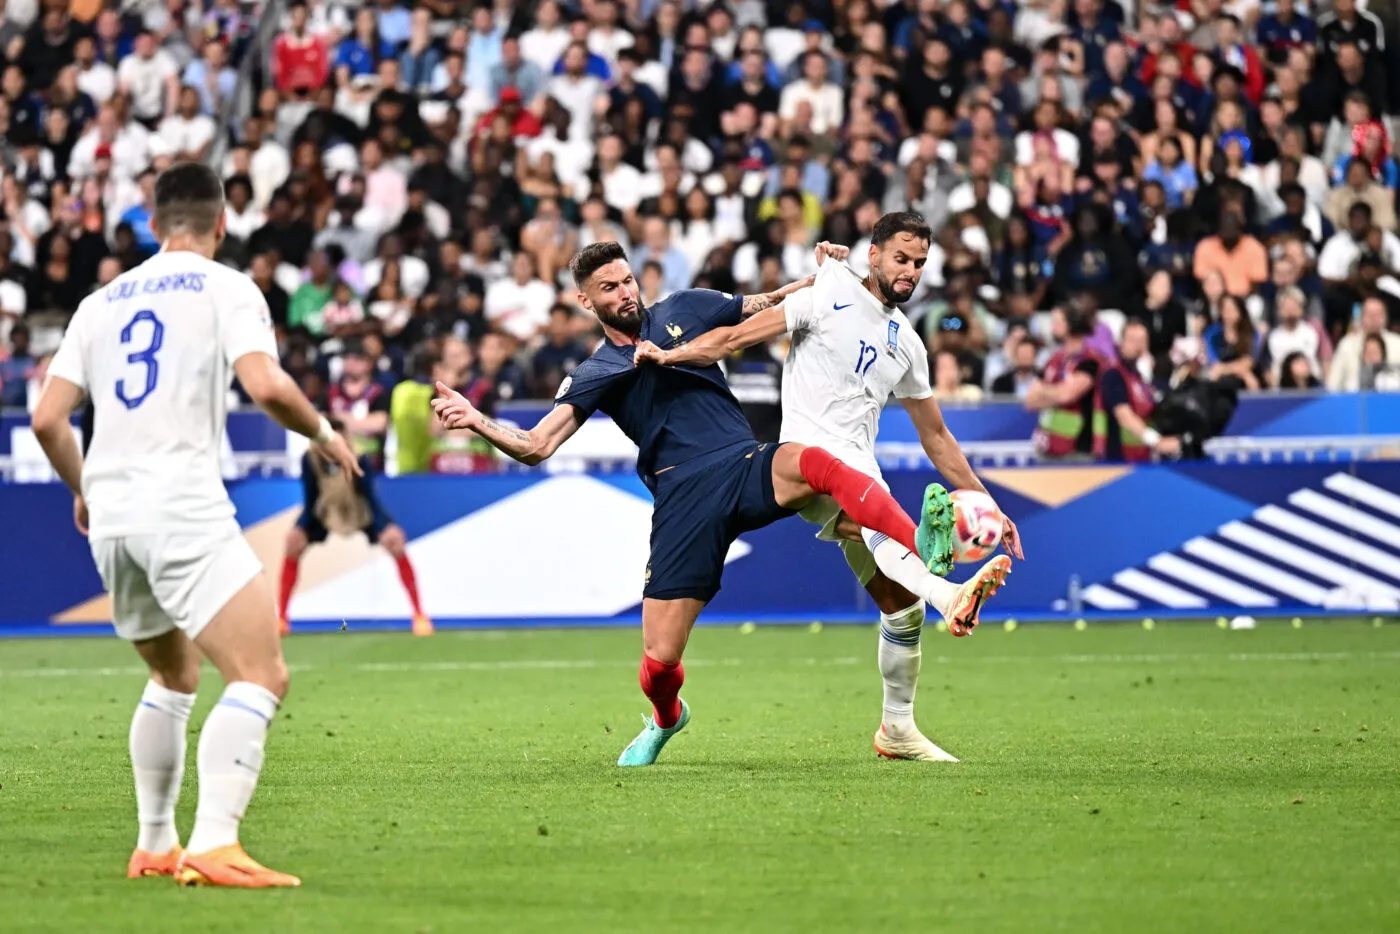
point(675, 330)
point(892, 337)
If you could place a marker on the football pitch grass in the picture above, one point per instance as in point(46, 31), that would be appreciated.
point(1114, 780)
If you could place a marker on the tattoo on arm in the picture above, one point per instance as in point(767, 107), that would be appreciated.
point(753, 304)
point(515, 434)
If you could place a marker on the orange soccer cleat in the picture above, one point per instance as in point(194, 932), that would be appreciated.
point(422, 626)
point(145, 864)
point(230, 867)
point(962, 615)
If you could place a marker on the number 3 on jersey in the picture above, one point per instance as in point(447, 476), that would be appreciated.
point(867, 357)
point(146, 357)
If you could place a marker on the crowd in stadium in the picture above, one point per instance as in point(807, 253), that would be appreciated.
point(1208, 185)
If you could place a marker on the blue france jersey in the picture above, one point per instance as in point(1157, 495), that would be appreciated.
point(672, 414)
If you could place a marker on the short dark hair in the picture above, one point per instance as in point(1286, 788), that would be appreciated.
point(189, 195)
point(593, 257)
point(900, 222)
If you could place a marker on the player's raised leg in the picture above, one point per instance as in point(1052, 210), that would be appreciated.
point(666, 626)
point(801, 472)
point(242, 642)
point(157, 745)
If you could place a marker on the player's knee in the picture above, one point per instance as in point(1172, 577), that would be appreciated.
point(665, 649)
point(181, 678)
point(273, 676)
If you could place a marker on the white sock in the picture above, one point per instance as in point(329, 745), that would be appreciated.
point(230, 758)
point(158, 761)
point(899, 662)
point(905, 568)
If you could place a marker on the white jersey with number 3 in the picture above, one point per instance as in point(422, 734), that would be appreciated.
point(154, 350)
point(849, 354)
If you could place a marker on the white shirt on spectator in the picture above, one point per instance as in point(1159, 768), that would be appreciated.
point(1304, 339)
point(654, 74)
point(999, 199)
point(243, 225)
point(1345, 374)
point(1341, 251)
point(1066, 146)
point(947, 150)
point(652, 183)
point(828, 105)
point(544, 47)
point(577, 97)
point(34, 220)
point(797, 263)
point(622, 187)
point(572, 158)
point(183, 135)
point(1312, 175)
point(98, 82)
point(608, 44)
point(268, 167)
point(413, 275)
point(784, 45)
point(146, 78)
point(519, 310)
point(130, 152)
point(695, 240)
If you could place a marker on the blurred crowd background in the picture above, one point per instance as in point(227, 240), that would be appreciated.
point(1203, 188)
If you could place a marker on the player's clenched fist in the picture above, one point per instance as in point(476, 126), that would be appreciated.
point(647, 352)
point(452, 408)
point(835, 250)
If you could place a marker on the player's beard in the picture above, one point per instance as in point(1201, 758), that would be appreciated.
point(627, 319)
point(887, 288)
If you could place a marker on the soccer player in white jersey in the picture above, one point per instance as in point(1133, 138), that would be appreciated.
point(851, 349)
point(156, 351)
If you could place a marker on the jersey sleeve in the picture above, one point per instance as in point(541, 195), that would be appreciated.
point(245, 324)
point(717, 309)
point(585, 389)
point(914, 384)
point(800, 310)
point(68, 362)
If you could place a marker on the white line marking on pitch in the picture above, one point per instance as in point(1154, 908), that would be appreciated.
point(545, 664)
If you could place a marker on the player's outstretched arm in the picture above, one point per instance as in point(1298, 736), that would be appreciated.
point(948, 459)
point(57, 403)
point(713, 346)
point(753, 304)
point(277, 394)
point(531, 447)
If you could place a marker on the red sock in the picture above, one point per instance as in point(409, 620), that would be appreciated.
point(410, 582)
point(860, 496)
point(661, 683)
point(287, 585)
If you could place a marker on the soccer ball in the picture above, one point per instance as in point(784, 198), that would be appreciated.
point(976, 526)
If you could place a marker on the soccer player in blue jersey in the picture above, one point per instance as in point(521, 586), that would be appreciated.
point(711, 480)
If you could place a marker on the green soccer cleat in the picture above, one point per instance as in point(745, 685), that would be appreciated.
point(935, 533)
point(648, 745)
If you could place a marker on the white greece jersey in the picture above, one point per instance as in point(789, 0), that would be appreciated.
point(154, 350)
point(849, 354)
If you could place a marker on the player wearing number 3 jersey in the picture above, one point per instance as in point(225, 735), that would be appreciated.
point(852, 348)
point(156, 351)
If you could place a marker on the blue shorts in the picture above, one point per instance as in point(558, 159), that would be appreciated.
point(316, 532)
point(701, 507)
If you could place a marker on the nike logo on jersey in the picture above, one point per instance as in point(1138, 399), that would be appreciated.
point(867, 491)
point(836, 307)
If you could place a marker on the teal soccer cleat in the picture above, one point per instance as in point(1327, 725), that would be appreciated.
point(648, 745)
point(935, 533)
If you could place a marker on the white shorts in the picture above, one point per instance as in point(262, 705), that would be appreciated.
point(825, 511)
point(173, 580)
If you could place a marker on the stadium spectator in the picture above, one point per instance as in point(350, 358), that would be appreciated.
point(16, 370)
point(1349, 360)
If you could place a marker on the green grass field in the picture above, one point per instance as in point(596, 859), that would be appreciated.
point(1114, 780)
